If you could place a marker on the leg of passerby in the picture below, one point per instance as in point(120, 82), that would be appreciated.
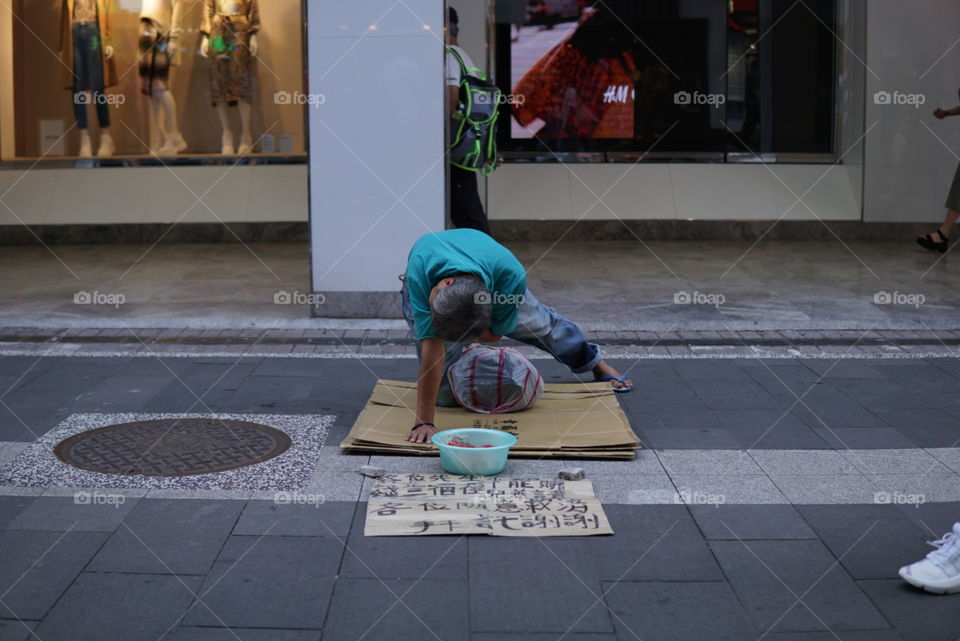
point(939, 572)
point(466, 209)
point(544, 328)
point(939, 239)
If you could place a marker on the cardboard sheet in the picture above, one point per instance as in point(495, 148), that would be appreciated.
point(437, 504)
point(570, 419)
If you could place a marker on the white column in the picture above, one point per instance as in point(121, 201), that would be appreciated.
point(377, 168)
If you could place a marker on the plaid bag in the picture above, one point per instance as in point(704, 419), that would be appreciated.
point(494, 380)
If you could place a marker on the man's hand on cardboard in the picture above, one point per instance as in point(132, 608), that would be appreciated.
point(421, 434)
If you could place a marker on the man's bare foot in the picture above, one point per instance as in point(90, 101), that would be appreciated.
point(602, 370)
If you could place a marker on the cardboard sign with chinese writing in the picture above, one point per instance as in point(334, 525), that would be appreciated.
point(433, 504)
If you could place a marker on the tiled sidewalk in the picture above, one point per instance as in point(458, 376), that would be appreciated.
point(776, 500)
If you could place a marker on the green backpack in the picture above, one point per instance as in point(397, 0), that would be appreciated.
point(474, 126)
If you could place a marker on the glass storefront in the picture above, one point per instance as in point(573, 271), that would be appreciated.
point(693, 79)
point(180, 80)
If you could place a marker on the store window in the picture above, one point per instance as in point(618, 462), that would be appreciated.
point(182, 80)
point(717, 80)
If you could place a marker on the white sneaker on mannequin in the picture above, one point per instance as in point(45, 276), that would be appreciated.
point(940, 571)
point(86, 145)
point(107, 148)
point(226, 147)
point(246, 144)
point(179, 143)
point(172, 146)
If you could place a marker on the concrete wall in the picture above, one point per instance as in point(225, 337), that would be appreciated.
point(910, 156)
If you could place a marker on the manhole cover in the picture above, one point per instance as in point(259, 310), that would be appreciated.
point(172, 447)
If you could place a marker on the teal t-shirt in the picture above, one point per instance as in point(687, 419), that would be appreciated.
point(465, 251)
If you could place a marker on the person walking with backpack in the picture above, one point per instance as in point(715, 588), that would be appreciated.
point(466, 209)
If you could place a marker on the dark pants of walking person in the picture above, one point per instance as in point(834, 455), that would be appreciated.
point(466, 209)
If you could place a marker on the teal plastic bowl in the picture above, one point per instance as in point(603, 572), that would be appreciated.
point(474, 461)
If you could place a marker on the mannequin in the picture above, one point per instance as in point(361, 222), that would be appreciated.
point(87, 56)
point(160, 31)
point(229, 31)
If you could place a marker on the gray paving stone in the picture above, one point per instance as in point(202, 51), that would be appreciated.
point(826, 404)
point(914, 614)
point(77, 492)
point(768, 576)
point(677, 612)
point(10, 490)
point(287, 392)
point(734, 394)
point(876, 394)
point(62, 514)
point(36, 567)
point(168, 537)
point(121, 393)
point(334, 459)
point(769, 429)
point(118, 606)
point(949, 456)
point(335, 486)
point(219, 495)
point(10, 450)
point(398, 610)
point(250, 585)
point(11, 506)
point(736, 522)
point(540, 636)
point(716, 462)
point(666, 438)
point(841, 635)
point(896, 461)
point(641, 489)
point(403, 557)
point(720, 489)
point(692, 370)
point(916, 488)
point(547, 586)
point(863, 438)
point(925, 427)
point(331, 519)
point(240, 634)
point(16, 630)
point(645, 463)
point(825, 489)
point(803, 462)
point(871, 541)
point(651, 543)
point(855, 369)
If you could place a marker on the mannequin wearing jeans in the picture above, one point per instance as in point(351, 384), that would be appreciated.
point(85, 50)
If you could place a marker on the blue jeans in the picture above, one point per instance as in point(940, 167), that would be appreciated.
point(537, 325)
point(88, 73)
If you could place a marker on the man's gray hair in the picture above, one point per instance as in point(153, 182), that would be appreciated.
point(461, 312)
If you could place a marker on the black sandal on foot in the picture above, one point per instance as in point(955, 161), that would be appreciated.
point(927, 242)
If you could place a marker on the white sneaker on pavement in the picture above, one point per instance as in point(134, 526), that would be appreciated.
point(940, 571)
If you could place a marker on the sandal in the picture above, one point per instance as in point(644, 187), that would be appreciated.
point(927, 242)
point(622, 379)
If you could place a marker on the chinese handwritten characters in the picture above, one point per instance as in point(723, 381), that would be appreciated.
point(429, 504)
